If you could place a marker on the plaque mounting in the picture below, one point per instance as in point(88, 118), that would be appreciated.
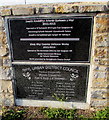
point(51, 40)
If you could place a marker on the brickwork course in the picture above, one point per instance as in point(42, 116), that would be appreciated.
point(99, 65)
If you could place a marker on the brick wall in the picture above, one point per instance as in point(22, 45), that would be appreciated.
point(100, 79)
point(99, 73)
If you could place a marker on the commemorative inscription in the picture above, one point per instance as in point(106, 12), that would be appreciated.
point(41, 82)
point(50, 39)
point(62, 39)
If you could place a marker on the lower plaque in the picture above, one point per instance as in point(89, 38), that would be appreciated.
point(46, 82)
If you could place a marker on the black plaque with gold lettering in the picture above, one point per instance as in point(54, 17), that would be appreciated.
point(62, 39)
point(42, 82)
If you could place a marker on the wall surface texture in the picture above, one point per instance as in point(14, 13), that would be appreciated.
point(99, 66)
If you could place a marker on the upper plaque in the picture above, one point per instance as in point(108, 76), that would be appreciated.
point(50, 39)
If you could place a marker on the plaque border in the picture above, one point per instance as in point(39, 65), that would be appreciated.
point(76, 104)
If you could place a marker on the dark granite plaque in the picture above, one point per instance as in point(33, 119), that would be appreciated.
point(41, 82)
point(62, 39)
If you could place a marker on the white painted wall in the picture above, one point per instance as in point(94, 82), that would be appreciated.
point(14, 2)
